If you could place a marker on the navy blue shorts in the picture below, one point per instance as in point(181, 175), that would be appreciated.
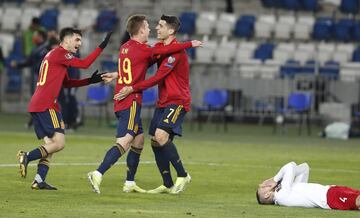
point(168, 119)
point(129, 121)
point(47, 123)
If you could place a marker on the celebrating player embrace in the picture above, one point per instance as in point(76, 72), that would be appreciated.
point(135, 57)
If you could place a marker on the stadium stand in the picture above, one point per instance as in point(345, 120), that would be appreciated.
point(262, 42)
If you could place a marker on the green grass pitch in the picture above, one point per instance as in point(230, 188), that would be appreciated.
point(225, 167)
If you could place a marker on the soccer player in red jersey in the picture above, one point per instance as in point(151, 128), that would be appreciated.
point(290, 188)
point(174, 101)
point(135, 56)
point(44, 107)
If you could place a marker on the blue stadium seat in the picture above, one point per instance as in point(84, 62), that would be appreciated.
point(191, 53)
point(292, 5)
point(214, 103)
point(310, 5)
point(71, 1)
point(48, 18)
point(244, 26)
point(323, 28)
point(149, 97)
point(356, 55)
point(264, 51)
point(343, 30)
point(97, 96)
point(109, 65)
point(271, 3)
point(330, 70)
point(356, 31)
point(298, 103)
point(13, 75)
point(349, 6)
point(187, 20)
point(18, 48)
point(106, 21)
point(309, 67)
point(290, 69)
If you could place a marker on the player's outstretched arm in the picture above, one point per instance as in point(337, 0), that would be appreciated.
point(95, 78)
point(108, 77)
point(172, 48)
point(86, 62)
point(165, 69)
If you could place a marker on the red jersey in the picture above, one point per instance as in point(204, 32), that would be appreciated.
point(134, 59)
point(53, 75)
point(172, 78)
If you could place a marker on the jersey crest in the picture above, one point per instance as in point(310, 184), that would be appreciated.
point(170, 61)
point(69, 56)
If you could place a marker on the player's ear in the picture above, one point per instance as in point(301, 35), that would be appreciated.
point(267, 195)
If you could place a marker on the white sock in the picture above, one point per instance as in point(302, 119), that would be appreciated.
point(98, 173)
point(38, 178)
point(128, 183)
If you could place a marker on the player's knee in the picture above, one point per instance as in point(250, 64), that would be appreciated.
point(306, 165)
point(138, 143)
point(60, 146)
point(161, 138)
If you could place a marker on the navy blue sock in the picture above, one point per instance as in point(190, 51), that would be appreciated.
point(113, 154)
point(132, 162)
point(163, 165)
point(37, 153)
point(169, 149)
point(43, 168)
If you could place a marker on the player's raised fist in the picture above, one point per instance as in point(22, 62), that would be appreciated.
point(104, 43)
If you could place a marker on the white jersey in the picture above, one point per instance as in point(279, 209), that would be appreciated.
point(295, 191)
point(303, 195)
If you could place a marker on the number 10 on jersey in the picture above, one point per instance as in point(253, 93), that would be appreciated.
point(125, 69)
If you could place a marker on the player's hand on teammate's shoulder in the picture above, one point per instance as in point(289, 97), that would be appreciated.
point(196, 43)
point(108, 77)
point(125, 91)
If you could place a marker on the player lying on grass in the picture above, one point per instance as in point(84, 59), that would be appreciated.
point(290, 188)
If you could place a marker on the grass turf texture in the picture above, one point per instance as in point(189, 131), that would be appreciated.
point(226, 169)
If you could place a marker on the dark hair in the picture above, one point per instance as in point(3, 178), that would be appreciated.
point(53, 41)
point(69, 31)
point(172, 21)
point(134, 23)
point(35, 20)
point(42, 33)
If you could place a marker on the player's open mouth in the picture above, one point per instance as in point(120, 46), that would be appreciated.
point(76, 47)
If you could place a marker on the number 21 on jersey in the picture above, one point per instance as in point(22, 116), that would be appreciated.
point(125, 67)
point(43, 73)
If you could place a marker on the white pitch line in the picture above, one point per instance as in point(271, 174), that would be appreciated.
point(118, 163)
point(192, 163)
